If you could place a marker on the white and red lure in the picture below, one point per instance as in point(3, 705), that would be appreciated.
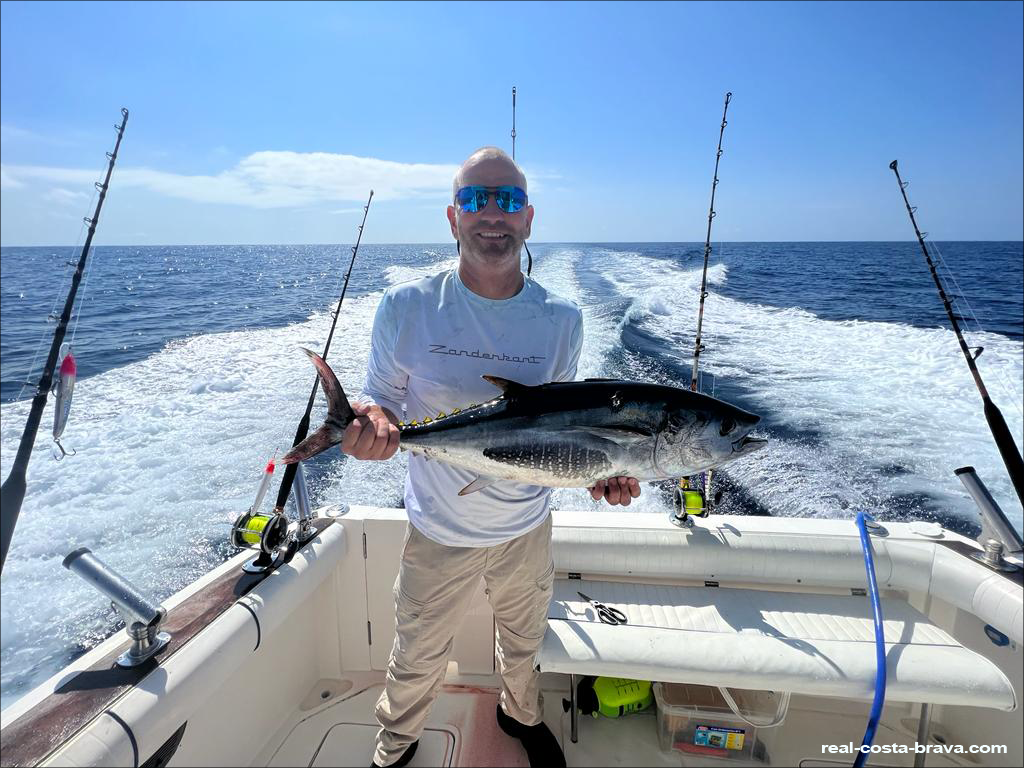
point(262, 490)
point(63, 388)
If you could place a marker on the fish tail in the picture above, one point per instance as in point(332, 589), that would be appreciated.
point(338, 409)
point(339, 415)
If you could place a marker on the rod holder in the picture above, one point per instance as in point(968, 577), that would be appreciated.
point(998, 538)
point(306, 530)
point(142, 616)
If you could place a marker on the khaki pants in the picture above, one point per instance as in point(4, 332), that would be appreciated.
point(432, 594)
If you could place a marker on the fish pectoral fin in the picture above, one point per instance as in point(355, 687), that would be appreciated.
point(480, 483)
point(622, 436)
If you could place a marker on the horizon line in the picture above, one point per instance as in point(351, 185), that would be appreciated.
point(545, 242)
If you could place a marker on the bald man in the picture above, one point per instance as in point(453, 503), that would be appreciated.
point(433, 339)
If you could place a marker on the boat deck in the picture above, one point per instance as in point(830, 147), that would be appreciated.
point(462, 731)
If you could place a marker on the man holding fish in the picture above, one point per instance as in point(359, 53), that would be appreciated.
point(478, 489)
point(432, 341)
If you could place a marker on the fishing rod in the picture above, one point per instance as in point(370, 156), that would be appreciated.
point(997, 424)
point(698, 347)
point(700, 500)
point(12, 493)
point(303, 429)
point(529, 256)
point(513, 122)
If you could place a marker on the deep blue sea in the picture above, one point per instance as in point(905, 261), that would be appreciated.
point(190, 378)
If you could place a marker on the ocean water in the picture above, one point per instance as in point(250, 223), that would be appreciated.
point(190, 378)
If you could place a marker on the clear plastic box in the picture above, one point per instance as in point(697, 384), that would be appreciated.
point(704, 721)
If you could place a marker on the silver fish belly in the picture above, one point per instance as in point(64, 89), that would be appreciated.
point(555, 457)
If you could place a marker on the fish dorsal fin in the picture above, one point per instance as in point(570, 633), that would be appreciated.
point(508, 387)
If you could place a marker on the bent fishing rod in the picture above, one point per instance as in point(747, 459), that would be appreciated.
point(529, 256)
point(303, 429)
point(997, 424)
point(12, 494)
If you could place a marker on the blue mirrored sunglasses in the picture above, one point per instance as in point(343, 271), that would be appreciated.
point(474, 199)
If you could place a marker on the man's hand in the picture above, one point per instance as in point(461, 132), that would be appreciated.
point(616, 490)
point(373, 434)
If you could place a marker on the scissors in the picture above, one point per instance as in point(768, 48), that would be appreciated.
point(605, 613)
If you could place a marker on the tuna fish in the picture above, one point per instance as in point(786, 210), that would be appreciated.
point(564, 434)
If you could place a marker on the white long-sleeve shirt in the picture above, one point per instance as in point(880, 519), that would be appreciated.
point(433, 339)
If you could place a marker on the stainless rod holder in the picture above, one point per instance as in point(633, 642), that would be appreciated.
point(998, 537)
point(305, 531)
point(142, 616)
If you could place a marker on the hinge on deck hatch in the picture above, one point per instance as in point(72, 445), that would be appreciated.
point(369, 634)
point(575, 576)
point(710, 583)
point(364, 545)
point(858, 591)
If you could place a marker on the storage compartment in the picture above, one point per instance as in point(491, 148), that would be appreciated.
point(703, 721)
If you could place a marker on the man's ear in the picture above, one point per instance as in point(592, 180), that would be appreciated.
point(451, 221)
point(529, 221)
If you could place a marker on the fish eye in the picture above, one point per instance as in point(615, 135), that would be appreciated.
point(728, 425)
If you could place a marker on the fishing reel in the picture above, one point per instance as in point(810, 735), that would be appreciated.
point(271, 534)
point(689, 500)
point(267, 533)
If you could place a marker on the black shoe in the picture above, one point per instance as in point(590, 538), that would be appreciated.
point(404, 759)
point(541, 746)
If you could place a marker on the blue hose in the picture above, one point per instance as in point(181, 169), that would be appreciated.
point(876, 608)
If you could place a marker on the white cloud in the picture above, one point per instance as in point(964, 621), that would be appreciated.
point(9, 132)
point(272, 179)
point(12, 134)
point(65, 196)
point(7, 181)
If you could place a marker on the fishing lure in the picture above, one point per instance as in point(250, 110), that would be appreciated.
point(262, 490)
point(63, 388)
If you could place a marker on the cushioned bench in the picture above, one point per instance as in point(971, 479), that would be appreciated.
point(820, 645)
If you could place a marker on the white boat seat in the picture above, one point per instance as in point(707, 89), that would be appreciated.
point(814, 644)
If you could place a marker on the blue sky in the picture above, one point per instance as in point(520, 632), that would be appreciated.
point(268, 123)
